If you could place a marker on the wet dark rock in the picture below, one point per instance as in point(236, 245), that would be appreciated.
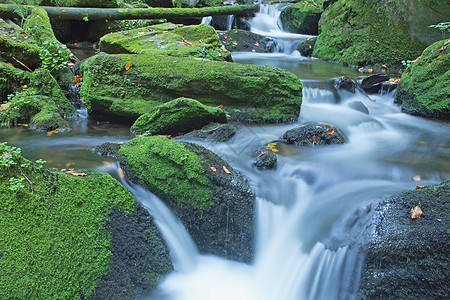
point(317, 133)
point(138, 250)
point(265, 159)
point(346, 83)
point(238, 40)
point(359, 106)
point(306, 47)
point(107, 149)
point(408, 259)
point(374, 83)
point(213, 132)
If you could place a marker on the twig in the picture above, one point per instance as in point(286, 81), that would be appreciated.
point(23, 65)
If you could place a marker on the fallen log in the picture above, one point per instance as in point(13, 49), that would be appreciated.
point(92, 14)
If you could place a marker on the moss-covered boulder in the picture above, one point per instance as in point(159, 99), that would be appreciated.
point(424, 88)
point(214, 202)
point(302, 18)
point(167, 39)
point(177, 116)
point(316, 133)
point(64, 236)
point(249, 93)
point(365, 32)
point(38, 25)
point(81, 3)
point(18, 47)
point(408, 259)
point(213, 132)
point(245, 41)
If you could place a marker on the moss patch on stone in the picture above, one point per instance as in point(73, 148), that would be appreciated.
point(169, 169)
point(424, 88)
point(249, 93)
point(301, 18)
point(167, 39)
point(363, 32)
point(177, 116)
point(53, 241)
point(37, 24)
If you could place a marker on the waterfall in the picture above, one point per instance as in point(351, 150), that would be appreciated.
point(206, 20)
point(267, 22)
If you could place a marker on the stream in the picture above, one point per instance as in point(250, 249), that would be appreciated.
point(312, 212)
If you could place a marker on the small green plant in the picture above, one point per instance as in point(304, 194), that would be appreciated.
point(18, 106)
point(306, 5)
point(54, 55)
point(406, 63)
point(443, 27)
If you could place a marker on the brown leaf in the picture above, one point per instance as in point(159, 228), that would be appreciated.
point(330, 131)
point(127, 66)
point(415, 212)
point(226, 170)
point(314, 140)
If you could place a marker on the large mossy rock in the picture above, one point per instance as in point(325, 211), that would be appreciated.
point(408, 259)
point(424, 88)
point(365, 32)
point(167, 39)
point(38, 25)
point(249, 93)
point(18, 47)
point(215, 207)
point(301, 18)
point(64, 236)
point(177, 116)
point(245, 41)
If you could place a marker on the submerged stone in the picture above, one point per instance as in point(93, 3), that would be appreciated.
point(374, 83)
point(177, 116)
point(424, 88)
point(213, 132)
point(73, 234)
point(214, 202)
point(248, 93)
point(408, 259)
point(265, 159)
point(167, 39)
point(317, 133)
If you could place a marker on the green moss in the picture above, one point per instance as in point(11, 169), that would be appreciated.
point(424, 88)
point(38, 25)
point(53, 241)
point(363, 32)
point(169, 169)
point(10, 80)
point(179, 115)
point(301, 18)
point(167, 39)
point(81, 3)
point(250, 93)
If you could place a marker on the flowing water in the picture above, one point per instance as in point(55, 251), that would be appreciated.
point(312, 212)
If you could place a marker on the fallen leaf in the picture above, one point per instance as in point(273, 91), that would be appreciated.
point(62, 9)
point(127, 66)
point(314, 140)
point(330, 131)
point(274, 149)
point(106, 163)
point(415, 212)
point(68, 165)
point(261, 154)
point(226, 170)
point(141, 32)
point(120, 143)
point(419, 187)
point(121, 173)
point(4, 106)
point(439, 56)
point(165, 135)
point(213, 169)
point(49, 133)
point(220, 106)
point(417, 178)
point(300, 126)
point(78, 174)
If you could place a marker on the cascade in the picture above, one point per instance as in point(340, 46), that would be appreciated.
point(206, 20)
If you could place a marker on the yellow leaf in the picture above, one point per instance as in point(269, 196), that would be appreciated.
point(415, 212)
point(275, 150)
point(226, 170)
point(120, 143)
point(121, 173)
point(127, 66)
point(68, 165)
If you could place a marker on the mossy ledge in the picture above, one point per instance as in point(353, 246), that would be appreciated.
point(424, 88)
point(248, 93)
point(216, 207)
point(58, 239)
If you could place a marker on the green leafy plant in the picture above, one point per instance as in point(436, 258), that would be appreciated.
point(443, 27)
point(54, 55)
point(310, 4)
point(18, 106)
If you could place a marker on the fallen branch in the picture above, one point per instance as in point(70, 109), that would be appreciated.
point(91, 14)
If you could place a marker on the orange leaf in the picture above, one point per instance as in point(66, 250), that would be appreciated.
point(213, 169)
point(330, 131)
point(121, 173)
point(314, 140)
point(120, 143)
point(226, 170)
point(261, 154)
point(106, 163)
point(275, 150)
point(49, 133)
point(127, 66)
point(419, 187)
point(62, 9)
point(439, 56)
point(415, 212)
point(220, 106)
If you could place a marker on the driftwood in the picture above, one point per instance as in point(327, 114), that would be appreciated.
point(91, 14)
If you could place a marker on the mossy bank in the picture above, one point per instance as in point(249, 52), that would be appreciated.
point(214, 202)
point(132, 84)
point(59, 235)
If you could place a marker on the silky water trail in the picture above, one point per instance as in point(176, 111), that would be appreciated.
point(312, 212)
